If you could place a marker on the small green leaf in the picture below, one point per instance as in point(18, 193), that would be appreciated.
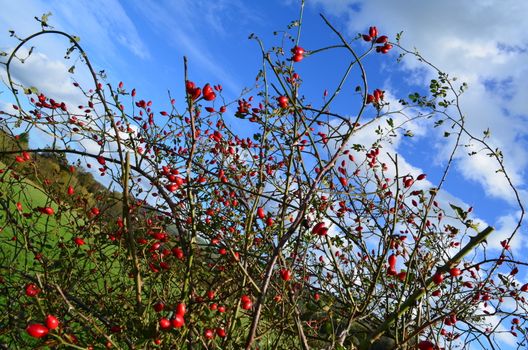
point(398, 36)
point(31, 90)
point(460, 213)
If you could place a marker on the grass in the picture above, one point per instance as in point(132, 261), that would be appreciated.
point(28, 232)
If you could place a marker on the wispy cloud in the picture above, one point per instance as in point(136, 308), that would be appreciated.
point(190, 26)
point(109, 33)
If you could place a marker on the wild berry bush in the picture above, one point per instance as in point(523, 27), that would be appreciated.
point(296, 236)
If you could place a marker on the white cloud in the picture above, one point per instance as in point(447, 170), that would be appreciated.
point(109, 31)
point(49, 76)
point(491, 58)
point(505, 226)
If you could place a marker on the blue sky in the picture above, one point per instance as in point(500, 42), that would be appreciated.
point(482, 42)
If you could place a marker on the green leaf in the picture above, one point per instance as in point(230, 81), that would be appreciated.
point(459, 211)
point(71, 70)
point(504, 279)
point(32, 90)
point(398, 36)
point(45, 17)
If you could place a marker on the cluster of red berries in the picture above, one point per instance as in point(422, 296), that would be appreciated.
point(246, 302)
point(38, 330)
point(207, 92)
point(383, 39)
point(376, 96)
point(177, 320)
point(23, 158)
point(298, 53)
point(320, 229)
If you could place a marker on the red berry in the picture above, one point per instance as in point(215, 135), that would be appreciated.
point(52, 322)
point(189, 86)
point(297, 58)
point(366, 37)
point(208, 93)
point(209, 334)
point(221, 332)
point(382, 39)
point(385, 48)
point(260, 213)
point(164, 323)
point(178, 321)
point(95, 211)
point(455, 271)
point(37, 330)
point(181, 309)
point(71, 191)
point(392, 260)
point(320, 229)
point(48, 211)
point(373, 32)
point(298, 53)
point(32, 290)
point(159, 306)
point(178, 253)
point(172, 187)
point(196, 93)
point(246, 302)
point(285, 274)
point(425, 345)
point(378, 95)
point(438, 278)
point(402, 275)
point(283, 101)
point(297, 50)
point(101, 160)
